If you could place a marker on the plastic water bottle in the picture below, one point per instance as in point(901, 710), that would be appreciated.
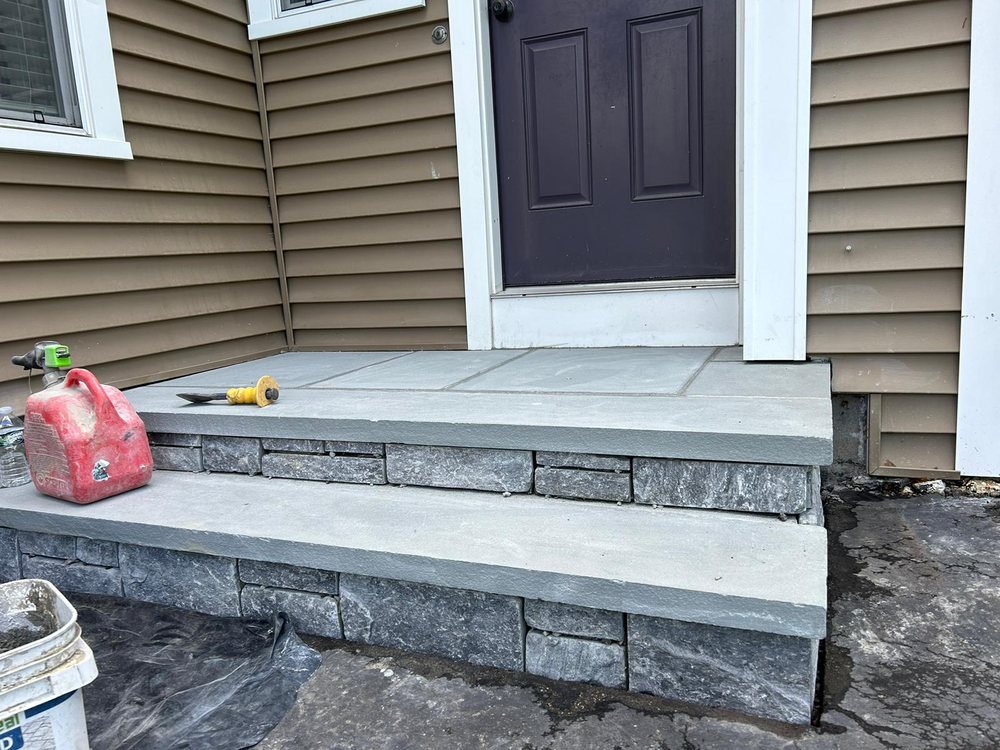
point(13, 465)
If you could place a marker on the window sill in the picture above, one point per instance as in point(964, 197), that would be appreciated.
point(66, 144)
point(264, 23)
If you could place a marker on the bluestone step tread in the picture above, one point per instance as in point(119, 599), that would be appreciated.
point(702, 566)
point(794, 431)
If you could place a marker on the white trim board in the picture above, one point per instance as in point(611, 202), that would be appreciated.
point(978, 439)
point(102, 133)
point(694, 317)
point(777, 71)
point(772, 198)
point(268, 19)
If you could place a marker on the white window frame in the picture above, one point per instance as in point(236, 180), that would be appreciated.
point(268, 19)
point(101, 133)
point(978, 437)
point(764, 308)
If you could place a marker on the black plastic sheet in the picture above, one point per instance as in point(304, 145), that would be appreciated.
point(171, 678)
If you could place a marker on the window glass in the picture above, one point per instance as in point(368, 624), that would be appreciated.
point(292, 4)
point(36, 76)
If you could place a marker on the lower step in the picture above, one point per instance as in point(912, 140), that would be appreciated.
point(717, 609)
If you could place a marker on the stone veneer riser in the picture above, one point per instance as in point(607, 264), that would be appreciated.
point(757, 673)
point(756, 488)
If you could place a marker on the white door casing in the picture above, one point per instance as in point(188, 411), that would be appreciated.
point(763, 308)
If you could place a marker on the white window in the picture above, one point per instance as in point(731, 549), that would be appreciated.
point(58, 92)
point(275, 17)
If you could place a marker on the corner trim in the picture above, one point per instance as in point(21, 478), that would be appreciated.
point(977, 450)
point(272, 195)
point(777, 61)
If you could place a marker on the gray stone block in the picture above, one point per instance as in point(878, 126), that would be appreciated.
point(47, 545)
point(324, 468)
point(353, 448)
point(97, 552)
point(467, 468)
point(178, 439)
point(757, 673)
point(10, 556)
point(583, 484)
point(237, 455)
point(293, 445)
point(582, 461)
point(575, 659)
point(70, 575)
point(814, 514)
point(314, 614)
point(176, 458)
point(471, 626)
point(759, 488)
point(278, 575)
point(571, 620)
point(203, 583)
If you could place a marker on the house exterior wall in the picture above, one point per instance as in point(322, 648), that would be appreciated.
point(167, 263)
point(887, 196)
point(164, 264)
point(363, 140)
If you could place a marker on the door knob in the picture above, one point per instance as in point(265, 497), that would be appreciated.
point(502, 10)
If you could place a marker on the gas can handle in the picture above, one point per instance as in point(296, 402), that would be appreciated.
point(106, 411)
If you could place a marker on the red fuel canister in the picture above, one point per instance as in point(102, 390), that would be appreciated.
point(84, 441)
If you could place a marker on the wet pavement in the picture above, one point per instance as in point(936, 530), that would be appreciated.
point(912, 661)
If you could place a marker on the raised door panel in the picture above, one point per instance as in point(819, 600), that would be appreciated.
point(557, 120)
point(665, 107)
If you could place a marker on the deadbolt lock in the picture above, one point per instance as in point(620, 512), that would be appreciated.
point(502, 10)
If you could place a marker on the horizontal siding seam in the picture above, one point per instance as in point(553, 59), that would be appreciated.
point(874, 54)
point(449, 115)
point(889, 97)
point(179, 32)
point(178, 64)
point(876, 188)
point(213, 8)
point(884, 4)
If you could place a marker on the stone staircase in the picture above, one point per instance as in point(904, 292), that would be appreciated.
point(645, 520)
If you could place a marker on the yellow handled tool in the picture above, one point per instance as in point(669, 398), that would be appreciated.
point(265, 392)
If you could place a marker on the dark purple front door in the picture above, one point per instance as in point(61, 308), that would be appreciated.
point(616, 140)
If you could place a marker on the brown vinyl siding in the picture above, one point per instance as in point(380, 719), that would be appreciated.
point(165, 264)
point(887, 178)
point(363, 143)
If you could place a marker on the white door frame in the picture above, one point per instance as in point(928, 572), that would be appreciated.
point(978, 440)
point(764, 307)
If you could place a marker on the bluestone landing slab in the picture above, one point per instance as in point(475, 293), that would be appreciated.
point(422, 370)
point(291, 370)
point(619, 370)
point(663, 403)
point(713, 567)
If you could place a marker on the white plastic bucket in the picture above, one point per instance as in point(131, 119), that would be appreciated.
point(41, 704)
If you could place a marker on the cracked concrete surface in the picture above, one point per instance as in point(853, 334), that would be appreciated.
point(913, 661)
